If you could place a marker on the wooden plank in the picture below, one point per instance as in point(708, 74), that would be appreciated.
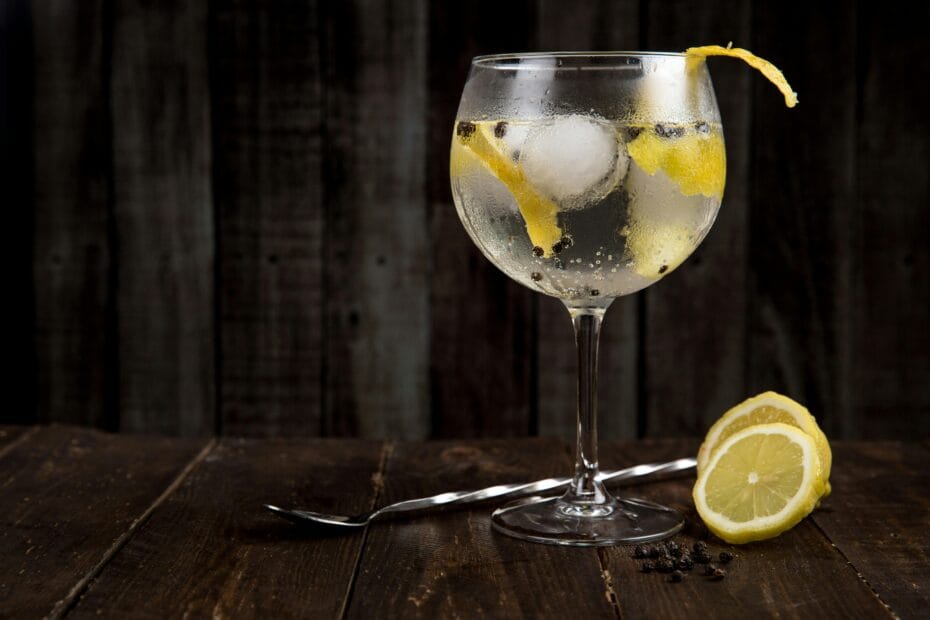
point(452, 564)
point(797, 575)
point(877, 516)
point(56, 524)
point(695, 319)
point(891, 353)
point(163, 216)
point(210, 550)
point(482, 323)
point(377, 242)
point(602, 25)
point(803, 219)
point(10, 436)
point(267, 106)
point(74, 313)
point(17, 130)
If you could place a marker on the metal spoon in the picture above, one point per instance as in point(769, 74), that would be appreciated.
point(469, 497)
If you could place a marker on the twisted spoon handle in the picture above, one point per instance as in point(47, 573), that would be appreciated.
point(528, 488)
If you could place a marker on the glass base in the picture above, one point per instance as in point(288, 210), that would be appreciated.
point(555, 521)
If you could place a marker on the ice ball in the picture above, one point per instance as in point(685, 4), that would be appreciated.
point(573, 159)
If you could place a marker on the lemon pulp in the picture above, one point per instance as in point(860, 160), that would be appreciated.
point(761, 482)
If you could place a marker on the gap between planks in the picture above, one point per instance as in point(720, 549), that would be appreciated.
point(378, 489)
point(608, 586)
point(853, 567)
point(64, 606)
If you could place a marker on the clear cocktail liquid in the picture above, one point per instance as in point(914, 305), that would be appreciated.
point(618, 227)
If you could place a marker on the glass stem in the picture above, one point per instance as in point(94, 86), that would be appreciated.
point(585, 489)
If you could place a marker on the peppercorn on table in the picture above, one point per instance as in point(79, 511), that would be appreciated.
point(96, 524)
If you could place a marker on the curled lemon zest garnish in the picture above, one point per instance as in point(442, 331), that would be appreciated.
point(770, 71)
point(540, 214)
point(695, 162)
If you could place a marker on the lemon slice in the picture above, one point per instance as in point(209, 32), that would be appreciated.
point(766, 408)
point(695, 161)
point(540, 214)
point(761, 482)
point(770, 71)
point(657, 249)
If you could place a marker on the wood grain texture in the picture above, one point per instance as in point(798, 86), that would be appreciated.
point(603, 25)
point(10, 436)
point(67, 496)
point(890, 359)
point(236, 217)
point(211, 550)
point(163, 209)
point(74, 318)
point(377, 243)
point(695, 319)
point(17, 141)
point(797, 575)
point(803, 217)
point(453, 564)
point(877, 517)
point(482, 323)
point(267, 107)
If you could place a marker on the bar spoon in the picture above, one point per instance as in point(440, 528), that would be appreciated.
point(470, 497)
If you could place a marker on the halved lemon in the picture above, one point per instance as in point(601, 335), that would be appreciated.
point(760, 482)
point(766, 408)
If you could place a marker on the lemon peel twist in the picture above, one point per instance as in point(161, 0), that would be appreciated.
point(770, 71)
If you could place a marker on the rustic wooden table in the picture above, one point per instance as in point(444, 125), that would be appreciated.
point(114, 525)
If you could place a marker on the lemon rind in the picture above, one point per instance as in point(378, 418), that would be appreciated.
point(769, 526)
point(710, 446)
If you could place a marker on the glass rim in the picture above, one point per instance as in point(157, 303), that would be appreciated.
point(489, 60)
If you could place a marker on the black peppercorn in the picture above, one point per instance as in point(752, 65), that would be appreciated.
point(648, 567)
point(677, 576)
point(536, 276)
point(639, 552)
point(699, 546)
point(652, 552)
point(685, 562)
point(633, 132)
point(725, 557)
point(663, 268)
point(566, 242)
point(709, 569)
point(500, 129)
point(557, 247)
point(665, 565)
point(595, 292)
point(701, 557)
point(669, 131)
point(673, 548)
point(538, 251)
point(465, 129)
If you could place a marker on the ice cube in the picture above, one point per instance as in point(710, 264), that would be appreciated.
point(574, 159)
point(513, 135)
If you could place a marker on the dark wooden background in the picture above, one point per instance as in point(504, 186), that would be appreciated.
point(235, 217)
